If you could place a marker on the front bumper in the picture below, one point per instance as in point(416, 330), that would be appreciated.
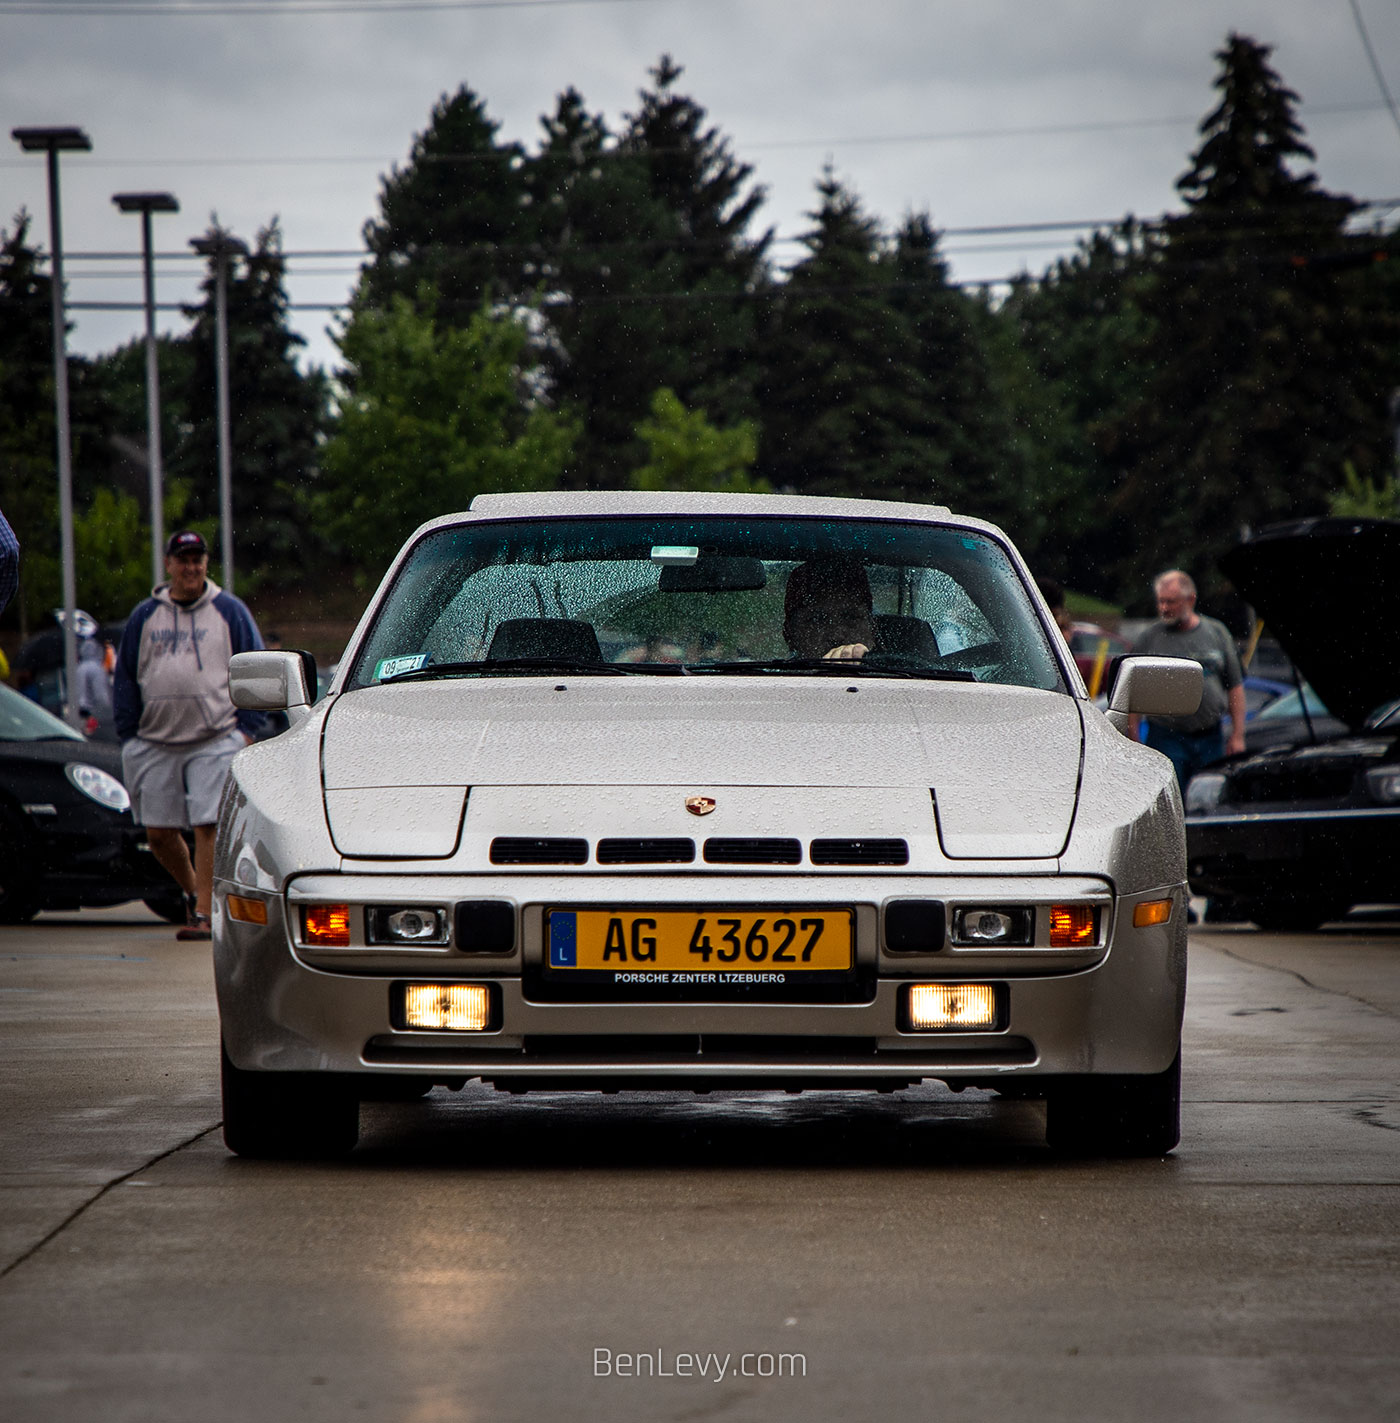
point(1349, 853)
point(1112, 1008)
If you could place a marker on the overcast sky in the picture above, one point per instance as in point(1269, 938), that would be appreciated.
point(984, 113)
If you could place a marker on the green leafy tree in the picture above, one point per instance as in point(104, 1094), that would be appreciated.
point(1273, 364)
point(1361, 499)
point(431, 416)
point(685, 451)
point(842, 395)
point(277, 417)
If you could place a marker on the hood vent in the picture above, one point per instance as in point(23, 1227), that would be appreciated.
point(859, 852)
point(527, 850)
point(646, 852)
point(753, 851)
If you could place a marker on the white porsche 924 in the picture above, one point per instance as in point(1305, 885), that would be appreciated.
point(651, 791)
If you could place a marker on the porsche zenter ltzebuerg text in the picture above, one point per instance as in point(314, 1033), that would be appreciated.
point(702, 791)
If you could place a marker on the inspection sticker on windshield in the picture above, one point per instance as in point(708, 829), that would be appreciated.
point(388, 667)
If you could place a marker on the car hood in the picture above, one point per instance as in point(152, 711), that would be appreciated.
point(1002, 762)
point(1329, 591)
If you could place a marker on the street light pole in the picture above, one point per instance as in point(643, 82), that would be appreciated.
point(146, 204)
point(221, 246)
point(53, 141)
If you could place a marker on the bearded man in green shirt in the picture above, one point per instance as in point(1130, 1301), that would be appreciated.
point(1191, 742)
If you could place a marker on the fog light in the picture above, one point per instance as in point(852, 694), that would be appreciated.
point(1073, 926)
point(951, 1007)
point(250, 911)
point(326, 926)
point(1153, 911)
point(407, 926)
point(447, 1007)
point(986, 926)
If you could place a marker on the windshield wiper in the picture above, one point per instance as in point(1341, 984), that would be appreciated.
point(839, 666)
point(533, 664)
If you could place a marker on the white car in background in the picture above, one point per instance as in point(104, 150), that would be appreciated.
point(575, 814)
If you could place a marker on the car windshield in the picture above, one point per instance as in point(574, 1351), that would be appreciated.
point(1291, 704)
point(708, 595)
point(23, 720)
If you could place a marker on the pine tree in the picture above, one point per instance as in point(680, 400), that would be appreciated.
point(1078, 347)
point(645, 239)
point(1271, 358)
point(27, 459)
point(276, 418)
point(458, 216)
point(708, 206)
point(842, 394)
point(962, 429)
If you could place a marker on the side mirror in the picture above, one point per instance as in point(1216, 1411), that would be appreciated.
point(271, 681)
point(1154, 686)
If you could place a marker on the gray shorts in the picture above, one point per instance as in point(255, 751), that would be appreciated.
point(178, 787)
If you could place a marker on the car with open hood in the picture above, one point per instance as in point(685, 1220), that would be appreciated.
point(702, 792)
point(1297, 833)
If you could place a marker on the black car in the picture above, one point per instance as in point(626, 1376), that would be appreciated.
point(1296, 834)
point(67, 839)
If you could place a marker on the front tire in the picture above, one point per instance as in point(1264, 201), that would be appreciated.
point(1294, 915)
point(1127, 1115)
point(287, 1115)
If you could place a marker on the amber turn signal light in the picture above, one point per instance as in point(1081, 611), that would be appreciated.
point(250, 911)
point(1152, 911)
point(327, 926)
point(1073, 926)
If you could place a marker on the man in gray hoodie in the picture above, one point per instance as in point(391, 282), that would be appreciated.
point(179, 729)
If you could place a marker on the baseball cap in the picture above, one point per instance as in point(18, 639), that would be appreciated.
point(186, 541)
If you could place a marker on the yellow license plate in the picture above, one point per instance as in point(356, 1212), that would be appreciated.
point(722, 942)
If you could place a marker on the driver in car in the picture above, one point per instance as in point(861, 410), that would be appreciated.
point(828, 609)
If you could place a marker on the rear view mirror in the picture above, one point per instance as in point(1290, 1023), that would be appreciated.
point(714, 573)
point(1154, 686)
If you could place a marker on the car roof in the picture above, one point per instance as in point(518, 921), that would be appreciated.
point(556, 504)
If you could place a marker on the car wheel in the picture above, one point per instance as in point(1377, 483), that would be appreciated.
point(287, 1114)
point(1116, 1116)
point(18, 901)
point(17, 905)
point(1293, 916)
point(170, 907)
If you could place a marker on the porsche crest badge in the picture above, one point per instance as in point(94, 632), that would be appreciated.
point(699, 804)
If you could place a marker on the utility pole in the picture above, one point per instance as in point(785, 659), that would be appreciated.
point(221, 245)
point(52, 142)
point(146, 204)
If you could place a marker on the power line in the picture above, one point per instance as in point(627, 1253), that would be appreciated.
point(1052, 130)
point(51, 9)
point(1375, 62)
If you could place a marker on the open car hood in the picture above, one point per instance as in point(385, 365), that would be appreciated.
point(1329, 591)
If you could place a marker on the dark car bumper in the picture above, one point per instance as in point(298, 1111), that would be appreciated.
point(1350, 854)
